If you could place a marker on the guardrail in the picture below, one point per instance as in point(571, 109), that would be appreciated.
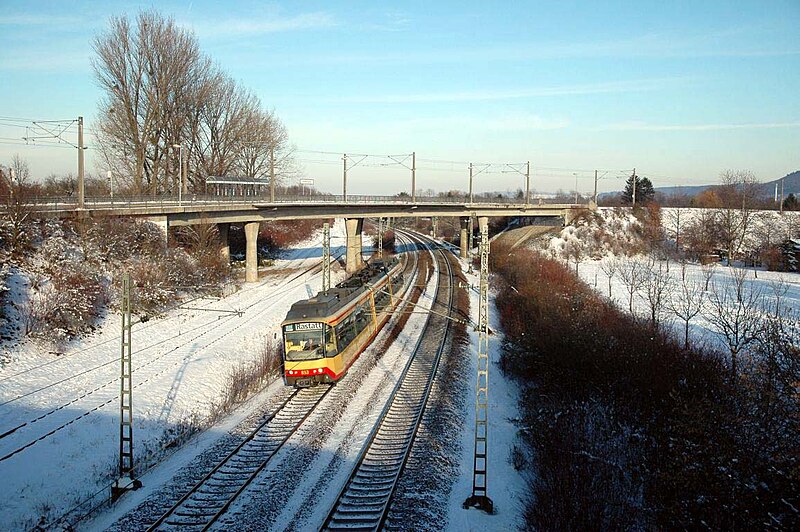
point(50, 203)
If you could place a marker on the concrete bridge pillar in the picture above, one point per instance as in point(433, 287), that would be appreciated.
point(463, 238)
point(225, 248)
point(483, 221)
point(354, 226)
point(251, 252)
point(570, 215)
point(163, 223)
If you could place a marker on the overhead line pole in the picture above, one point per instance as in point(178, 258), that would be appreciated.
point(272, 174)
point(344, 178)
point(480, 496)
point(470, 182)
point(326, 257)
point(81, 186)
point(413, 177)
point(527, 183)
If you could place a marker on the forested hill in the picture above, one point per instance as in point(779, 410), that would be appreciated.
point(791, 185)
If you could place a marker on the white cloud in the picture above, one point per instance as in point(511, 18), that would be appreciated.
point(36, 20)
point(240, 27)
point(641, 126)
point(510, 94)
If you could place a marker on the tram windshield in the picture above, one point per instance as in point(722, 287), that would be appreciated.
point(307, 341)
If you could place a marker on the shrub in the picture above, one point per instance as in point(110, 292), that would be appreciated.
point(629, 429)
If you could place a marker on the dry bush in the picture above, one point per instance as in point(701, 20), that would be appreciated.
point(121, 239)
point(248, 377)
point(283, 234)
point(629, 427)
point(151, 292)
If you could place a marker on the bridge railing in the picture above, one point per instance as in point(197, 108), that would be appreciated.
point(57, 203)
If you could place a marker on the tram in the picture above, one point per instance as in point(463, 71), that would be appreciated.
point(324, 335)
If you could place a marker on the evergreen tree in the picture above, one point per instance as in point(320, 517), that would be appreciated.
point(790, 203)
point(644, 191)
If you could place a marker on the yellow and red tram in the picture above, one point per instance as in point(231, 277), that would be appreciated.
point(324, 335)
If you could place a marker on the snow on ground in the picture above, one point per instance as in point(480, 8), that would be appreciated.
point(700, 328)
point(505, 486)
point(617, 227)
point(62, 410)
point(308, 507)
point(59, 412)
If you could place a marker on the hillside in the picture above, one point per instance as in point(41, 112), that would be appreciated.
point(791, 185)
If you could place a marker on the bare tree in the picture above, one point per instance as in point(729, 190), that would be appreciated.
point(632, 277)
point(737, 193)
point(656, 284)
point(708, 273)
point(610, 266)
point(574, 251)
point(161, 91)
point(144, 71)
point(674, 221)
point(17, 208)
point(687, 303)
point(736, 313)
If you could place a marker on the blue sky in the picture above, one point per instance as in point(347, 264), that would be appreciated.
point(679, 90)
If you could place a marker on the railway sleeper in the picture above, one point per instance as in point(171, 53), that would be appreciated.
point(381, 466)
point(228, 471)
point(203, 512)
point(385, 442)
point(359, 510)
point(352, 522)
point(220, 488)
point(185, 523)
point(204, 507)
point(371, 489)
point(392, 436)
point(377, 473)
point(364, 498)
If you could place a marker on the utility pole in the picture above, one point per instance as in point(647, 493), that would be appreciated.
point(480, 498)
point(527, 183)
point(126, 480)
point(180, 172)
point(595, 188)
point(633, 177)
point(272, 174)
point(380, 238)
point(470, 188)
point(344, 178)
point(326, 257)
point(782, 180)
point(413, 177)
point(81, 188)
point(471, 243)
point(576, 186)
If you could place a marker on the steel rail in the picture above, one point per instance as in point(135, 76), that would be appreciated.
point(209, 498)
point(364, 501)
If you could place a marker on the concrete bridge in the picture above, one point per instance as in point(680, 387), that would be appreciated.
point(250, 210)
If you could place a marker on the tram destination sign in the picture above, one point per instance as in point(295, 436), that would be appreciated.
point(309, 326)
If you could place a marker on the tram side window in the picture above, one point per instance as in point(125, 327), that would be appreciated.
point(345, 332)
point(330, 341)
point(360, 316)
point(381, 300)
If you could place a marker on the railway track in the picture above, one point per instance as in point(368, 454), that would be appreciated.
point(206, 328)
point(210, 498)
point(364, 502)
point(199, 508)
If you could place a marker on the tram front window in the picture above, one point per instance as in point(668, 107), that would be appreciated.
point(304, 345)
